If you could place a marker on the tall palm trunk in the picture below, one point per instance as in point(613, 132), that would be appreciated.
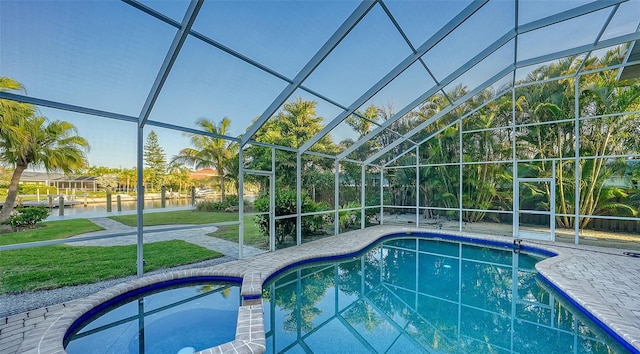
point(564, 220)
point(592, 197)
point(222, 194)
point(7, 207)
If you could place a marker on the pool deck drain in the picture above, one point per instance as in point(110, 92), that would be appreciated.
point(603, 281)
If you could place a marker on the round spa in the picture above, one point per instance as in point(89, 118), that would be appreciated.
point(177, 317)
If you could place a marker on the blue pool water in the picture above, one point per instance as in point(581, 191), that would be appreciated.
point(417, 295)
point(182, 319)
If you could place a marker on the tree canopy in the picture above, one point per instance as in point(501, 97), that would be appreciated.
point(155, 160)
point(28, 139)
point(210, 150)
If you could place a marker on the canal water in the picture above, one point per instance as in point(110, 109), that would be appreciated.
point(100, 209)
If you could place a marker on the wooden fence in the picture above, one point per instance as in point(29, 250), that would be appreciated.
point(597, 224)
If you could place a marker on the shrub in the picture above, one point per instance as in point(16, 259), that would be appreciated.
point(29, 188)
point(285, 204)
point(349, 218)
point(231, 200)
point(209, 205)
point(24, 217)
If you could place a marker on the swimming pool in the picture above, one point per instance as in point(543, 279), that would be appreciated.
point(182, 318)
point(565, 270)
point(413, 294)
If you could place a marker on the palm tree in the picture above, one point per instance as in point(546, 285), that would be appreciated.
point(28, 139)
point(12, 111)
point(294, 125)
point(179, 176)
point(127, 177)
point(611, 134)
point(611, 129)
point(209, 151)
point(232, 171)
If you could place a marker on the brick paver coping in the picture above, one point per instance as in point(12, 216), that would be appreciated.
point(604, 282)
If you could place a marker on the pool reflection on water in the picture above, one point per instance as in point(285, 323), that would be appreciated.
point(425, 295)
point(182, 319)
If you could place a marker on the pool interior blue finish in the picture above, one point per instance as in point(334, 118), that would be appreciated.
point(416, 294)
point(164, 319)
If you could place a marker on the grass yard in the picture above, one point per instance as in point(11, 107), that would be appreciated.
point(177, 217)
point(56, 266)
point(51, 230)
point(252, 236)
point(49, 267)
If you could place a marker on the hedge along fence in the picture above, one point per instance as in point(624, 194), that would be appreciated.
point(607, 225)
point(33, 190)
point(29, 189)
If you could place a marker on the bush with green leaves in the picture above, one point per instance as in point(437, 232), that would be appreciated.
point(285, 204)
point(231, 200)
point(27, 216)
point(209, 205)
point(29, 188)
point(348, 219)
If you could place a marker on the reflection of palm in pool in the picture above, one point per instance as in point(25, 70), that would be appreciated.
point(197, 328)
point(184, 317)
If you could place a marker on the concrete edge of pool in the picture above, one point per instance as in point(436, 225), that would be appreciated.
point(600, 281)
point(48, 337)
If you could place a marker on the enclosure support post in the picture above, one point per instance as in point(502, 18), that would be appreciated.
point(336, 202)
point(362, 198)
point(417, 186)
point(381, 196)
point(460, 175)
point(552, 202)
point(576, 222)
point(140, 202)
point(272, 202)
point(240, 202)
point(299, 198)
point(515, 217)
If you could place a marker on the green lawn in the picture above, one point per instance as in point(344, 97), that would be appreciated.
point(177, 217)
point(252, 236)
point(61, 265)
point(51, 230)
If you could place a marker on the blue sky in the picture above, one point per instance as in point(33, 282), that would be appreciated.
point(105, 55)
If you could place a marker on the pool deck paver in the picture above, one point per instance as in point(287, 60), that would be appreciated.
point(603, 281)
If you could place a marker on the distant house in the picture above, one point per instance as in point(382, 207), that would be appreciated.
point(59, 180)
point(203, 174)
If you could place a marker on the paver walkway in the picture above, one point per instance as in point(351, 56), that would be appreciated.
point(111, 225)
point(195, 234)
point(603, 281)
